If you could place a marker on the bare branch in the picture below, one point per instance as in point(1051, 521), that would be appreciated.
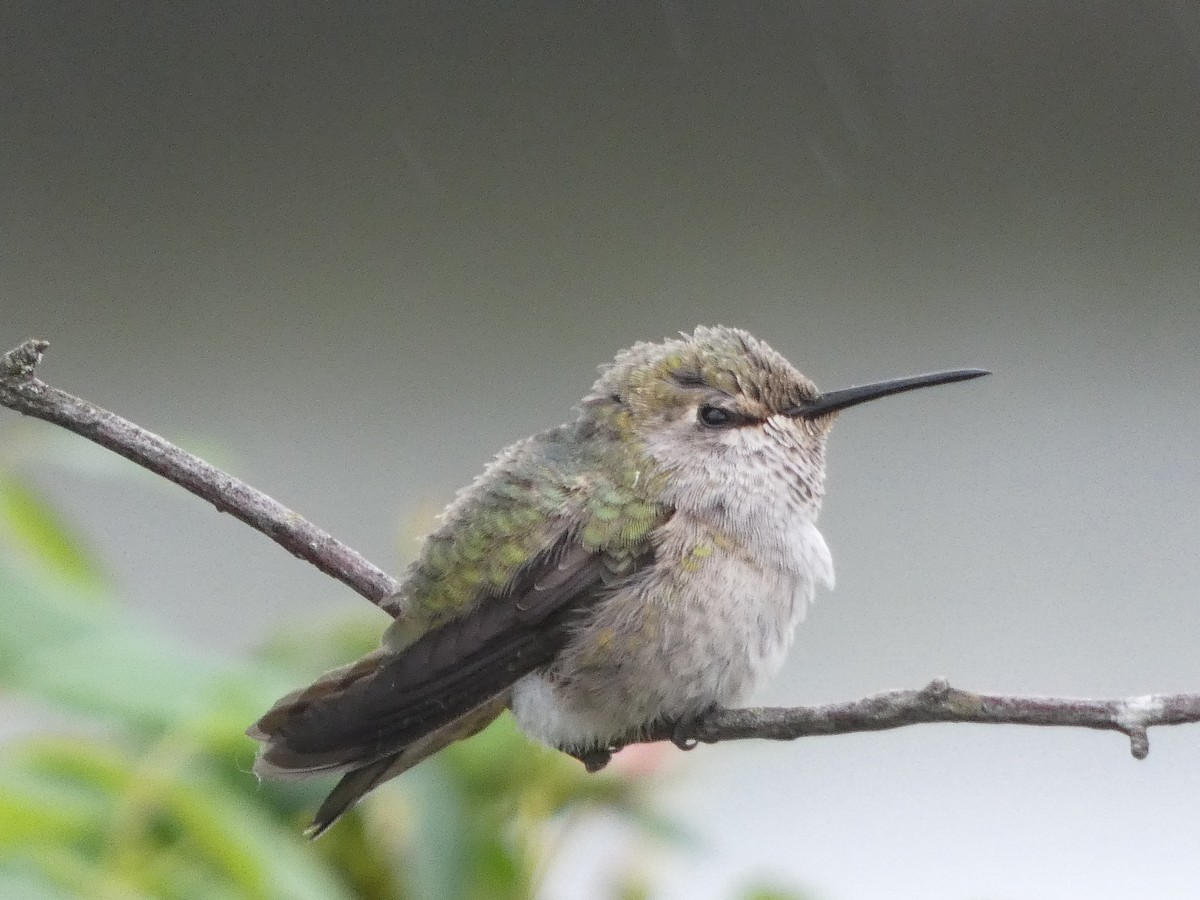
point(937, 702)
point(20, 390)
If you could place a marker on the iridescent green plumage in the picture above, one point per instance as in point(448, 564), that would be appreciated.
point(537, 493)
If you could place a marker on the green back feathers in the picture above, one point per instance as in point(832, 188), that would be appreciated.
point(590, 480)
point(598, 492)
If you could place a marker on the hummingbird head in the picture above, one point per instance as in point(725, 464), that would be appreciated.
point(734, 427)
point(713, 411)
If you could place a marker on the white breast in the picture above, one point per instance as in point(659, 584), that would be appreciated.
point(698, 629)
point(713, 617)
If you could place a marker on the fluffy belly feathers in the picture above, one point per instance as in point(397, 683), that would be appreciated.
point(705, 625)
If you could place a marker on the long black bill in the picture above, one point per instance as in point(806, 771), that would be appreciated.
point(836, 400)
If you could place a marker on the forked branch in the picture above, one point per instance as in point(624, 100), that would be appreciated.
point(22, 391)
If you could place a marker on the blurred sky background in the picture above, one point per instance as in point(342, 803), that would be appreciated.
point(356, 249)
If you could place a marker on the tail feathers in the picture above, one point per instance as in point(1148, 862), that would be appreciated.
point(357, 783)
point(363, 764)
point(276, 759)
point(353, 787)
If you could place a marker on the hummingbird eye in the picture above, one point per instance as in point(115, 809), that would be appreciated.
point(716, 417)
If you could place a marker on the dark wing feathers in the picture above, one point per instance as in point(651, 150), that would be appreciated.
point(357, 782)
point(374, 709)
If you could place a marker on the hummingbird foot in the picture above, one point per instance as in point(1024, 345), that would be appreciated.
point(594, 759)
point(683, 730)
point(680, 738)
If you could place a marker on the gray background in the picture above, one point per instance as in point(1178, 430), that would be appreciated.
point(356, 252)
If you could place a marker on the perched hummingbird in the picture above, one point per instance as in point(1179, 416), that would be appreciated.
point(642, 564)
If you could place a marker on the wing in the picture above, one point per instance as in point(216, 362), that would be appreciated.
point(397, 699)
point(452, 660)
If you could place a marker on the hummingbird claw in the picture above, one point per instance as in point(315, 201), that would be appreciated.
point(683, 730)
point(680, 738)
point(593, 760)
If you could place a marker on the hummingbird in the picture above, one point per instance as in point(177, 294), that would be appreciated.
point(640, 565)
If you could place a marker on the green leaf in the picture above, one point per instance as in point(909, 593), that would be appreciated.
point(770, 892)
point(148, 681)
point(31, 528)
point(75, 876)
point(105, 663)
point(35, 616)
point(437, 861)
point(23, 879)
point(39, 808)
point(154, 818)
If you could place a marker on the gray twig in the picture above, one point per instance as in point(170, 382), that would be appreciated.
point(937, 702)
point(22, 391)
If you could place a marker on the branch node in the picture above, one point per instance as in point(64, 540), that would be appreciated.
point(1133, 715)
point(18, 364)
point(937, 690)
point(1139, 742)
point(939, 695)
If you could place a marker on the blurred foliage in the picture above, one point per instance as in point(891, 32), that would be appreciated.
point(144, 790)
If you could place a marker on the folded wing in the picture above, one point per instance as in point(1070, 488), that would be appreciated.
point(386, 701)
